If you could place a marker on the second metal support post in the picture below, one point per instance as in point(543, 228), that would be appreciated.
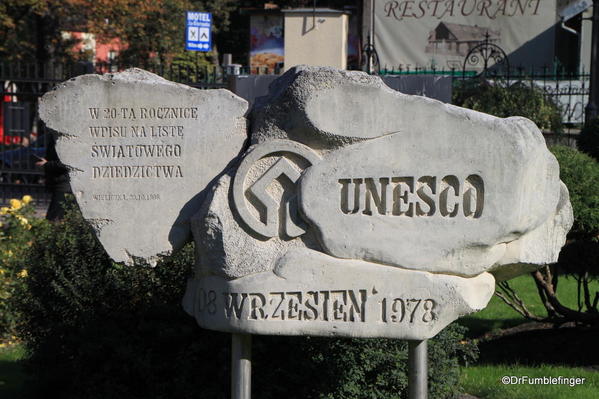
point(241, 366)
point(592, 108)
point(417, 370)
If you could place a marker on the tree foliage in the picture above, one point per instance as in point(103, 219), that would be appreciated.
point(31, 29)
point(580, 173)
point(151, 32)
point(504, 99)
point(147, 30)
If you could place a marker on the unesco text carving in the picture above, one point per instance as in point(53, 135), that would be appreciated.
point(413, 196)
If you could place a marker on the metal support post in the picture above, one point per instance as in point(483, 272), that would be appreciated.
point(371, 39)
point(368, 54)
point(417, 370)
point(241, 366)
point(592, 108)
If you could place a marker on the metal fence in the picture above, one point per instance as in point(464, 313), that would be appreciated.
point(23, 136)
point(489, 64)
point(568, 91)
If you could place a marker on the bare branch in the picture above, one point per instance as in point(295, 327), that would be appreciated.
point(579, 290)
point(587, 294)
point(554, 279)
point(561, 309)
point(551, 313)
point(511, 298)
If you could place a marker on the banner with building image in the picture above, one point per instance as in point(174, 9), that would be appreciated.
point(442, 32)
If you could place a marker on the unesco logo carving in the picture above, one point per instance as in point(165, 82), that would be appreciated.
point(265, 189)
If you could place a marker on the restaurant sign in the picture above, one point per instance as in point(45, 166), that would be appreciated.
point(442, 32)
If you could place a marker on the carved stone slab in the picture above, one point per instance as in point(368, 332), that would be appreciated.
point(309, 293)
point(141, 151)
point(363, 212)
point(438, 200)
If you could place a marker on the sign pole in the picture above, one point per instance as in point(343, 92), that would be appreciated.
point(417, 370)
point(241, 366)
point(371, 39)
point(592, 107)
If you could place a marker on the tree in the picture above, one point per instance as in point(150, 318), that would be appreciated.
point(148, 29)
point(588, 141)
point(580, 256)
point(31, 30)
point(152, 31)
point(504, 98)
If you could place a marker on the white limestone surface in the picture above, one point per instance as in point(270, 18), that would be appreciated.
point(141, 150)
point(310, 293)
point(540, 246)
point(324, 108)
point(226, 247)
point(441, 200)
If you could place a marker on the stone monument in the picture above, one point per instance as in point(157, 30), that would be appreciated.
point(359, 211)
point(141, 150)
point(356, 211)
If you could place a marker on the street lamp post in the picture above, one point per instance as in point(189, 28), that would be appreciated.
point(591, 110)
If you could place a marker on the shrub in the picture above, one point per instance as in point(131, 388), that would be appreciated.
point(580, 256)
point(343, 368)
point(588, 141)
point(503, 100)
point(97, 329)
point(580, 173)
point(18, 226)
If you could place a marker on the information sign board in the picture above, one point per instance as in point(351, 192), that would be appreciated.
point(198, 31)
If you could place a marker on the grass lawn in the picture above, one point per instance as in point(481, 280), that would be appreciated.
point(497, 315)
point(485, 382)
point(482, 380)
point(12, 376)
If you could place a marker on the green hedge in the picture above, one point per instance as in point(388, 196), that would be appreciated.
point(503, 100)
point(96, 329)
point(580, 173)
